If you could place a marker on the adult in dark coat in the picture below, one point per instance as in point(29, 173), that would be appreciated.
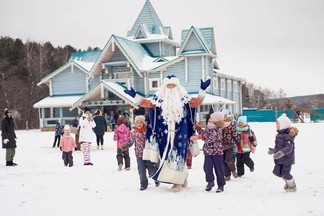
point(8, 137)
point(101, 128)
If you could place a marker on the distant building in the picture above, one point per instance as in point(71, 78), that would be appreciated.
point(141, 59)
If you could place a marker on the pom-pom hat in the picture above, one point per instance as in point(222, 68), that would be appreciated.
point(284, 122)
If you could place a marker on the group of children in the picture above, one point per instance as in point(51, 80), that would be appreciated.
point(225, 142)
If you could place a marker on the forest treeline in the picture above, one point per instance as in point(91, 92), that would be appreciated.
point(23, 65)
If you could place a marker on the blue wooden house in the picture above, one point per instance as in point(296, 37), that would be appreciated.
point(142, 59)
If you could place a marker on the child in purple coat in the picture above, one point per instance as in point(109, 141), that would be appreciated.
point(284, 152)
point(213, 150)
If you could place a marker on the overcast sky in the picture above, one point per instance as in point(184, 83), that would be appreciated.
point(272, 43)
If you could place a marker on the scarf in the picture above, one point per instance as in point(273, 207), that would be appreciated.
point(139, 130)
point(245, 128)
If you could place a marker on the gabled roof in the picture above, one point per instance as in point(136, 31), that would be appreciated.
point(89, 56)
point(83, 66)
point(141, 32)
point(149, 17)
point(204, 36)
point(57, 101)
point(135, 54)
point(113, 87)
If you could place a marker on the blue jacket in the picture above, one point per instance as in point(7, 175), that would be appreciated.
point(285, 143)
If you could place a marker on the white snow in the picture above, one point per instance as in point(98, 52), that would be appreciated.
point(41, 185)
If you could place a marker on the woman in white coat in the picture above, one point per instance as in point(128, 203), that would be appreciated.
point(86, 125)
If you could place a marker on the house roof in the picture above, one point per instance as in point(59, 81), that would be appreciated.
point(204, 35)
point(113, 87)
point(149, 17)
point(213, 99)
point(57, 101)
point(89, 56)
point(83, 66)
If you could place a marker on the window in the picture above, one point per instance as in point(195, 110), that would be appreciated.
point(229, 85)
point(223, 84)
point(154, 84)
point(235, 86)
point(215, 85)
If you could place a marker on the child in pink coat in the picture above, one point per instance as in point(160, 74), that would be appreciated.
point(121, 135)
point(67, 144)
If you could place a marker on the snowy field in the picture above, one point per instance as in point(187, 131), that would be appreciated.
point(41, 185)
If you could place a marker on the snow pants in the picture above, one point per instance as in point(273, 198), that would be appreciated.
point(142, 166)
point(214, 162)
point(283, 171)
point(123, 154)
point(241, 159)
point(86, 146)
point(229, 162)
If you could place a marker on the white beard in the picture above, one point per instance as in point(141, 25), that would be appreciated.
point(172, 105)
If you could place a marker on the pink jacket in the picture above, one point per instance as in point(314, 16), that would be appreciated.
point(121, 135)
point(67, 143)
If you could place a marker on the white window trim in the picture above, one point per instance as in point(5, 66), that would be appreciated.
point(151, 80)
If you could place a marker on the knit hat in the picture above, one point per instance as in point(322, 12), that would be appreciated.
point(242, 119)
point(86, 109)
point(217, 116)
point(6, 110)
point(120, 120)
point(67, 128)
point(284, 122)
point(140, 118)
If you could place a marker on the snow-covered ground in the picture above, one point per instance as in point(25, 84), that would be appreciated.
point(41, 185)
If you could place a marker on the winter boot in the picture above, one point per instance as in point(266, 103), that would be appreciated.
point(120, 167)
point(9, 163)
point(286, 185)
point(143, 188)
point(227, 178)
point(185, 184)
point(234, 173)
point(220, 189)
point(176, 188)
point(209, 186)
point(157, 183)
point(291, 185)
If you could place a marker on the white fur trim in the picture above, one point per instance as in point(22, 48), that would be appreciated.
point(138, 99)
point(202, 93)
point(169, 175)
point(173, 80)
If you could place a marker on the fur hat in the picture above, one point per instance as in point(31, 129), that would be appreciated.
point(140, 118)
point(284, 122)
point(171, 79)
point(217, 116)
point(67, 128)
point(120, 120)
point(242, 119)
